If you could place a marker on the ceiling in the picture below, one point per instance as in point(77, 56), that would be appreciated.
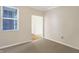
point(43, 8)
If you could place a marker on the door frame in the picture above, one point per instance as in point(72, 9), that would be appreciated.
point(43, 23)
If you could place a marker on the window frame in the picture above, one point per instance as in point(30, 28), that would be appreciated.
point(10, 18)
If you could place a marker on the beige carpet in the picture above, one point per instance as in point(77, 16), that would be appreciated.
point(40, 46)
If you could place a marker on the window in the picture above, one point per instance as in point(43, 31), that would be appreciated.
point(9, 18)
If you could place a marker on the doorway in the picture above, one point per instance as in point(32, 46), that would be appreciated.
point(37, 27)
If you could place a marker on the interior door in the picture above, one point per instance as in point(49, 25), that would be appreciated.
point(37, 26)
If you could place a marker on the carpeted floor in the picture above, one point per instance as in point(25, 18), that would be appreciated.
point(40, 46)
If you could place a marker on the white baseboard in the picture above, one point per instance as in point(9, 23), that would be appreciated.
point(3, 47)
point(63, 43)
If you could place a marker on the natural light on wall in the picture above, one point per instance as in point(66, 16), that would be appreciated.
point(55, 23)
point(37, 25)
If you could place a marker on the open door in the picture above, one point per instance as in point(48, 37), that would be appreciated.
point(37, 27)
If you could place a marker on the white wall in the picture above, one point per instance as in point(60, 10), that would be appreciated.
point(24, 34)
point(62, 25)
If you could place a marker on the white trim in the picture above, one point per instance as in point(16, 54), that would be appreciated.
point(10, 7)
point(0, 12)
point(63, 43)
point(18, 15)
point(10, 18)
point(43, 26)
point(1, 18)
point(3, 47)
